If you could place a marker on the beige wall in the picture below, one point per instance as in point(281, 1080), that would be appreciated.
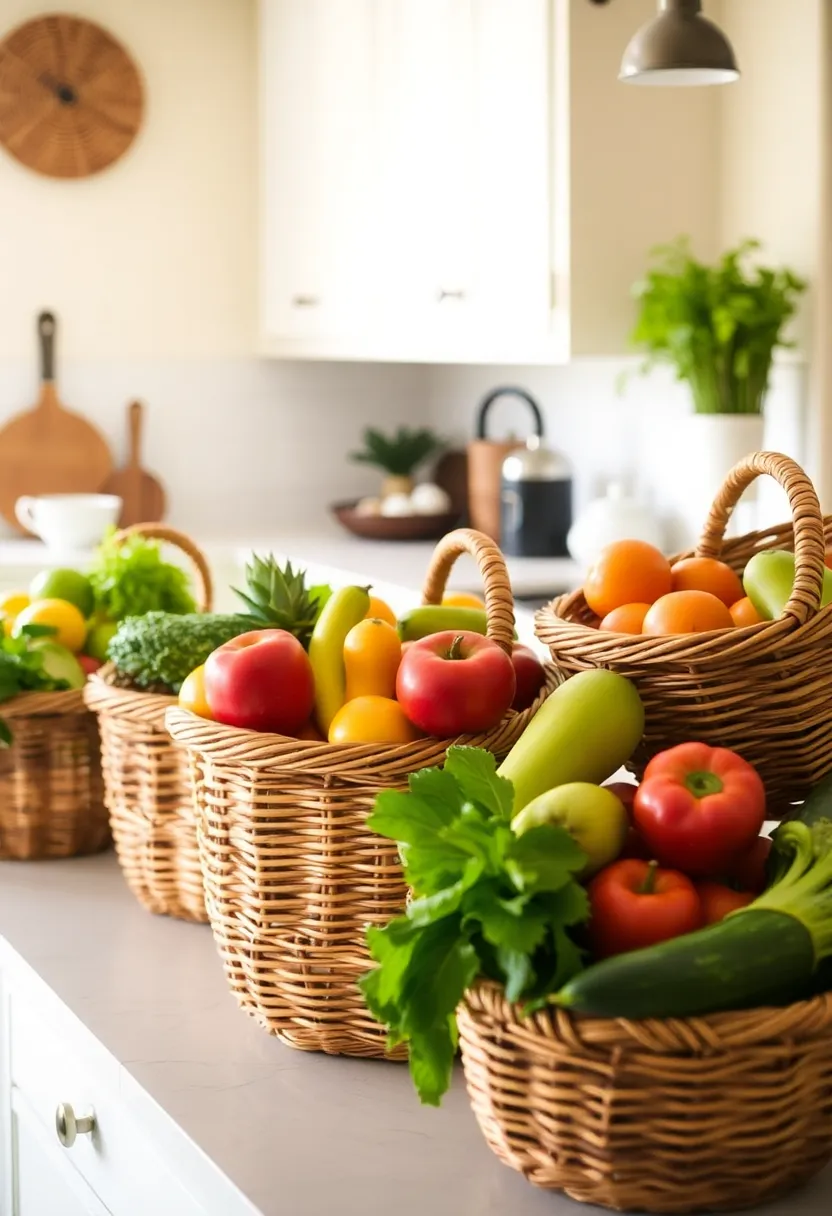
point(155, 256)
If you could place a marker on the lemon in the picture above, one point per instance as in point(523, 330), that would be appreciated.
point(11, 604)
point(62, 616)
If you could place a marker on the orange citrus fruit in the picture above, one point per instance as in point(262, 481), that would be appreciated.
point(626, 572)
point(372, 720)
point(372, 654)
point(65, 618)
point(463, 599)
point(707, 574)
point(192, 694)
point(380, 610)
point(686, 612)
point(629, 618)
point(744, 613)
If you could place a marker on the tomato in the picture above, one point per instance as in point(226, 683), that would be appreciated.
point(455, 684)
point(698, 807)
point(629, 618)
point(744, 613)
point(626, 572)
point(718, 900)
point(529, 675)
point(372, 720)
point(192, 694)
point(707, 574)
point(379, 610)
point(462, 599)
point(748, 869)
point(686, 612)
point(261, 681)
point(89, 664)
point(634, 904)
point(67, 621)
point(372, 653)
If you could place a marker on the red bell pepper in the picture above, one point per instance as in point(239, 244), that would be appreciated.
point(634, 904)
point(699, 807)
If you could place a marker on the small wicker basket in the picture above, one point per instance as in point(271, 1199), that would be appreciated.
point(690, 1115)
point(292, 874)
point(764, 690)
point(51, 792)
point(147, 778)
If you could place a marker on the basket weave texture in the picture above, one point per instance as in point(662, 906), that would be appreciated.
point(764, 690)
point(147, 779)
point(292, 874)
point(690, 1115)
point(51, 792)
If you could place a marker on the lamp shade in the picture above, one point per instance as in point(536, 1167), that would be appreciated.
point(679, 47)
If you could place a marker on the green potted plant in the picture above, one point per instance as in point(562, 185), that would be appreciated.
point(718, 327)
point(397, 456)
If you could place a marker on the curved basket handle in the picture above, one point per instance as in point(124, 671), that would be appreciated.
point(809, 544)
point(499, 601)
point(204, 584)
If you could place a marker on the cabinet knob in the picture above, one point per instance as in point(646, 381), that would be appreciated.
point(305, 301)
point(444, 294)
point(69, 1127)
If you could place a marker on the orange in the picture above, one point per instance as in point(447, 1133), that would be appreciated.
point(372, 653)
point(463, 599)
point(626, 572)
point(707, 574)
point(744, 613)
point(381, 611)
point(68, 623)
point(372, 720)
point(192, 694)
point(629, 618)
point(687, 612)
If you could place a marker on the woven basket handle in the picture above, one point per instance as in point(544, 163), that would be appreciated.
point(809, 544)
point(499, 601)
point(204, 584)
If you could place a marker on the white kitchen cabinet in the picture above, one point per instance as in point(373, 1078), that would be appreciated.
point(466, 180)
point(45, 1182)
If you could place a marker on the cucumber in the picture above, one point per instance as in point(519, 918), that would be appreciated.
point(749, 959)
point(434, 618)
point(818, 804)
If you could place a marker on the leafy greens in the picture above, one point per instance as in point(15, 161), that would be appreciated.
point(131, 578)
point(22, 669)
point(486, 903)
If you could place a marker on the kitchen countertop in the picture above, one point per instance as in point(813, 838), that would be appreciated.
point(296, 1133)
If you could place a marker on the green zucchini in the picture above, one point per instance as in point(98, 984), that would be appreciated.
point(435, 618)
point(751, 958)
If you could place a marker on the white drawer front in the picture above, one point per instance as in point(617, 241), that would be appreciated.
point(44, 1182)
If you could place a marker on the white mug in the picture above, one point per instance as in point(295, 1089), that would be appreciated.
point(68, 521)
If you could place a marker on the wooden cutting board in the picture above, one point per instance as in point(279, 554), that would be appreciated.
point(48, 449)
point(142, 496)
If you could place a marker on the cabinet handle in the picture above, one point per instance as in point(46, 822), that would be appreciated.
point(69, 1127)
point(450, 295)
point(305, 301)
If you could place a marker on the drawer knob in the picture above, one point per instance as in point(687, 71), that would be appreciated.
point(68, 1126)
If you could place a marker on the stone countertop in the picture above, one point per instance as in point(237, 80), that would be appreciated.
point(295, 1132)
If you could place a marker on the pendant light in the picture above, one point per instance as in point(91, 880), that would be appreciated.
point(679, 47)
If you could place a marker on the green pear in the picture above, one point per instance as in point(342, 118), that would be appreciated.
point(593, 816)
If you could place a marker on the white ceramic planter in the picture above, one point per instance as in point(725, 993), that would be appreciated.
point(712, 445)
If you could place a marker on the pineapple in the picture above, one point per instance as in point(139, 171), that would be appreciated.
point(398, 456)
point(278, 598)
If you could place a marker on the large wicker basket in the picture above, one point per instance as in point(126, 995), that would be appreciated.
point(51, 792)
point(292, 874)
point(764, 690)
point(147, 779)
point(689, 1115)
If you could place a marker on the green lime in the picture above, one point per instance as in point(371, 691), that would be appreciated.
point(61, 664)
point(98, 639)
point(69, 585)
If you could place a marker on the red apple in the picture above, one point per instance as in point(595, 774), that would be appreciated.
point(625, 792)
point(529, 675)
point(452, 684)
point(88, 663)
point(261, 681)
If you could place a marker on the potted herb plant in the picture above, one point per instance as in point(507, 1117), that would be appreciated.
point(397, 456)
point(718, 327)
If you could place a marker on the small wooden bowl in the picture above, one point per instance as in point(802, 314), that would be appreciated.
point(394, 527)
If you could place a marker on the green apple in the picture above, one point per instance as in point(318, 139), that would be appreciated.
point(60, 663)
point(593, 816)
point(98, 639)
point(69, 585)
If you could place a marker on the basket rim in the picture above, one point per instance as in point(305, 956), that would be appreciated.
point(45, 704)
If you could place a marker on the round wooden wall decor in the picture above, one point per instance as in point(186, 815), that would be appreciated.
point(71, 98)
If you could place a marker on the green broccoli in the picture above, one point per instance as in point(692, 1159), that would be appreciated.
point(159, 649)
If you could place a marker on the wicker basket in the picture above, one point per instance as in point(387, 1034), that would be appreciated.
point(51, 792)
point(292, 874)
point(764, 690)
point(690, 1115)
point(147, 779)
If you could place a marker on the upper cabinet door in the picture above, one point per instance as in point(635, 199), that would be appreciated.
point(317, 165)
